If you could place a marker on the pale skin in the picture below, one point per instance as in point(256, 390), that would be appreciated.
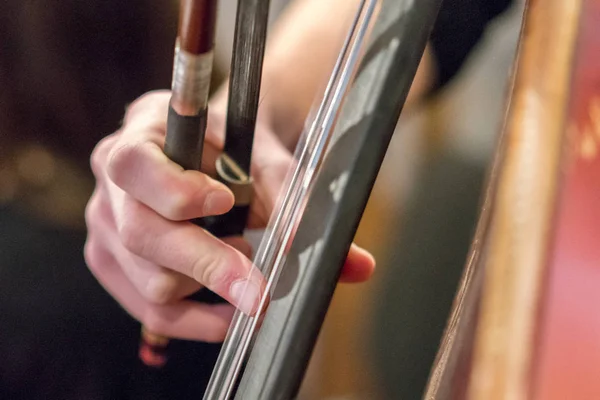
point(140, 245)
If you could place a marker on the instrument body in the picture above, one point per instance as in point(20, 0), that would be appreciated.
point(525, 314)
point(532, 265)
point(567, 347)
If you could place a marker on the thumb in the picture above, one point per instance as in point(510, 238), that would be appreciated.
point(270, 167)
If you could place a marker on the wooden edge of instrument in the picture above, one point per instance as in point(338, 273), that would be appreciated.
point(455, 350)
point(487, 349)
point(524, 204)
point(567, 363)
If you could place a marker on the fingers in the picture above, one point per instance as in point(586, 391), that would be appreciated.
point(139, 213)
point(137, 165)
point(240, 244)
point(156, 284)
point(359, 265)
point(160, 285)
point(144, 251)
point(272, 161)
point(185, 248)
point(183, 320)
point(153, 104)
point(139, 169)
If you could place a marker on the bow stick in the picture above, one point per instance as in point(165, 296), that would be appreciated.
point(505, 335)
point(187, 118)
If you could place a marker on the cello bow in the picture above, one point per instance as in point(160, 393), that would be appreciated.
point(187, 119)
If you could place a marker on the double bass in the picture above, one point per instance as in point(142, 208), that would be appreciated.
point(523, 324)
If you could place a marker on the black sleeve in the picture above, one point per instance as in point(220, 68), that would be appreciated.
point(460, 26)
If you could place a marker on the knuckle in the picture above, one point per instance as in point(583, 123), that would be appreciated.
point(97, 209)
point(154, 322)
point(123, 161)
point(144, 102)
point(91, 210)
point(91, 254)
point(132, 230)
point(99, 155)
point(130, 236)
point(182, 205)
point(177, 206)
point(161, 289)
point(210, 270)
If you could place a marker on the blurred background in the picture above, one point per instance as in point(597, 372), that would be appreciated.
point(380, 338)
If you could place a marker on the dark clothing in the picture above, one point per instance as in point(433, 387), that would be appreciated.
point(61, 335)
point(459, 27)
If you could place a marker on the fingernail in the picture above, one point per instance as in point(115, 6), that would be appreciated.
point(217, 202)
point(245, 295)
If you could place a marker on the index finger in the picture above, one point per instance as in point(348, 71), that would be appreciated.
point(137, 165)
point(190, 250)
point(149, 112)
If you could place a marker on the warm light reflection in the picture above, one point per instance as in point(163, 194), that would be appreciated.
point(590, 137)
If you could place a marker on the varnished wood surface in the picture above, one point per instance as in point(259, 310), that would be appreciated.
point(533, 317)
point(490, 343)
point(197, 24)
point(525, 205)
point(568, 356)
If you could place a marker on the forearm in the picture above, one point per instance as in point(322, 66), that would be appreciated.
point(300, 57)
point(301, 51)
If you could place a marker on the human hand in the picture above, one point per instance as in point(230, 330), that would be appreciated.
point(142, 248)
